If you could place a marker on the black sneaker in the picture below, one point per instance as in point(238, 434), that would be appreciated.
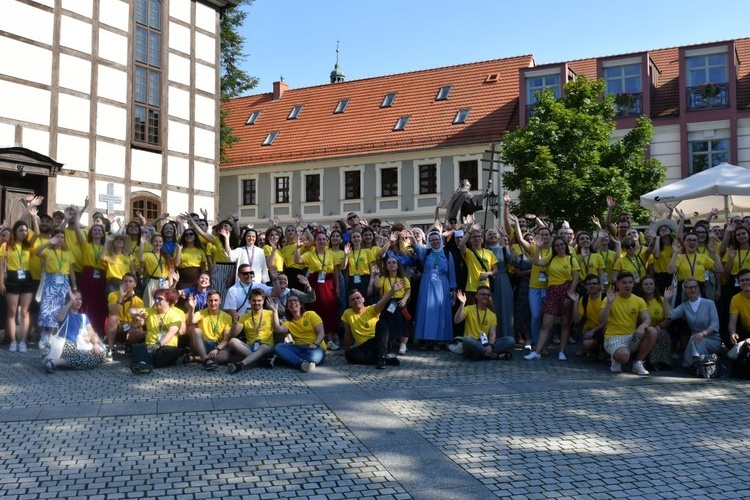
point(141, 368)
point(380, 363)
point(234, 367)
point(392, 361)
point(267, 361)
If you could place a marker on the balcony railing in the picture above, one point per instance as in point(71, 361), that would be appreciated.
point(708, 96)
point(629, 104)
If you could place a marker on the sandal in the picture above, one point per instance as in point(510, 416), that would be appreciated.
point(49, 366)
point(208, 364)
point(506, 356)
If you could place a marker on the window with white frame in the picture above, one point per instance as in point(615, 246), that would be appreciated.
point(312, 188)
point(708, 68)
point(147, 81)
point(249, 190)
point(352, 185)
point(428, 179)
point(388, 182)
point(623, 79)
point(282, 189)
point(540, 83)
point(707, 154)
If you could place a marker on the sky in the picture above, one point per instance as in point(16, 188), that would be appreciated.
point(297, 39)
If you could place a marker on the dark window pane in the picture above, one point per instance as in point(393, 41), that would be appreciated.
point(312, 188)
point(351, 186)
point(141, 44)
point(139, 114)
point(141, 12)
point(248, 192)
point(468, 170)
point(389, 182)
point(427, 179)
point(140, 85)
point(153, 126)
point(282, 190)
point(154, 88)
point(699, 146)
point(154, 14)
point(154, 49)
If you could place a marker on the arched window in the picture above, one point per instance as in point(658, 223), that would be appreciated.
point(146, 203)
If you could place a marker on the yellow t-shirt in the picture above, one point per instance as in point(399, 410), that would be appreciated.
point(192, 257)
point(740, 305)
point(258, 326)
point(693, 266)
point(609, 258)
point(474, 263)
point(624, 315)
point(591, 314)
point(71, 241)
point(656, 311)
point(361, 325)
point(18, 257)
point(662, 263)
point(315, 263)
point(633, 265)
point(287, 252)
point(117, 265)
point(123, 311)
point(57, 261)
point(155, 267)
point(213, 327)
point(91, 255)
point(536, 271)
point(359, 262)
point(591, 264)
point(386, 283)
point(561, 269)
point(303, 329)
point(215, 250)
point(740, 261)
point(35, 263)
point(157, 325)
point(278, 259)
point(478, 321)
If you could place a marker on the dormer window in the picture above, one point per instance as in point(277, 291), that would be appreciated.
point(442, 94)
point(707, 79)
point(461, 116)
point(401, 123)
point(388, 100)
point(253, 116)
point(270, 138)
point(341, 106)
point(295, 112)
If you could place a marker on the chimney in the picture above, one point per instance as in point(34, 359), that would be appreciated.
point(279, 88)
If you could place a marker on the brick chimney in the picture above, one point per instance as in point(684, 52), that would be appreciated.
point(279, 88)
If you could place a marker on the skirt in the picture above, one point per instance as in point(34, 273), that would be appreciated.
point(54, 292)
point(81, 360)
point(188, 277)
point(221, 273)
point(326, 303)
point(554, 303)
point(94, 293)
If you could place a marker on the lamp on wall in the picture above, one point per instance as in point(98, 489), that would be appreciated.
point(21, 169)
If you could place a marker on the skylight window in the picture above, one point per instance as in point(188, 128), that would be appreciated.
point(461, 116)
point(295, 112)
point(492, 77)
point(341, 106)
point(388, 100)
point(443, 93)
point(253, 116)
point(401, 123)
point(270, 138)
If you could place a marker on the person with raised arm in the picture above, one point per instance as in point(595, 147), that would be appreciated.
point(308, 347)
point(209, 331)
point(480, 334)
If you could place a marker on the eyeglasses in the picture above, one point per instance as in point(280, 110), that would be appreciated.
point(247, 274)
point(628, 247)
point(158, 300)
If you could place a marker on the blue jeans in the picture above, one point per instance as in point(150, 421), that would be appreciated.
point(536, 299)
point(474, 349)
point(295, 355)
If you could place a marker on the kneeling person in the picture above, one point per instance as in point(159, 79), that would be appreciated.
point(481, 328)
point(258, 326)
point(209, 330)
point(369, 332)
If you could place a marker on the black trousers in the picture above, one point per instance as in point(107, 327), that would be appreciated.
point(368, 353)
point(158, 358)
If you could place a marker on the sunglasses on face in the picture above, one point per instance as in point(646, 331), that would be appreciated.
point(628, 247)
point(158, 300)
point(247, 274)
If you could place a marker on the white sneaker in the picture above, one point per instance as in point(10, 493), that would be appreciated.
point(307, 366)
point(457, 348)
point(22, 347)
point(13, 346)
point(332, 345)
point(639, 369)
point(532, 355)
point(562, 356)
point(402, 349)
point(615, 366)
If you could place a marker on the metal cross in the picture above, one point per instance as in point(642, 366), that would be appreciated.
point(490, 169)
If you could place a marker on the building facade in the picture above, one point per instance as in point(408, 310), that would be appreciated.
point(122, 93)
point(391, 147)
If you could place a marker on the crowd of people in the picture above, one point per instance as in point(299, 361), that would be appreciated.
point(178, 290)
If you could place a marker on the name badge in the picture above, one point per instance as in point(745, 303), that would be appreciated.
point(322, 277)
point(542, 276)
point(21, 274)
point(705, 276)
point(126, 327)
point(483, 338)
point(357, 279)
point(162, 283)
point(392, 307)
point(96, 274)
point(606, 279)
point(736, 283)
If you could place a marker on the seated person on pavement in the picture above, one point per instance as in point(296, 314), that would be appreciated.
point(257, 346)
point(479, 341)
point(209, 331)
point(121, 322)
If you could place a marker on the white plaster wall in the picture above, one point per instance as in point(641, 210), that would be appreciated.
point(177, 203)
point(71, 190)
point(205, 17)
point(75, 34)
point(110, 159)
point(179, 137)
point(178, 171)
point(75, 73)
point(206, 203)
point(743, 142)
point(113, 84)
point(115, 13)
point(15, 61)
point(180, 9)
point(23, 103)
point(73, 151)
point(205, 78)
point(26, 21)
point(205, 144)
point(73, 113)
point(665, 147)
point(111, 121)
point(179, 38)
point(205, 110)
point(145, 166)
point(101, 188)
point(179, 103)
point(179, 69)
point(83, 8)
point(7, 135)
point(36, 140)
point(205, 48)
point(113, 47)
point(204, 176)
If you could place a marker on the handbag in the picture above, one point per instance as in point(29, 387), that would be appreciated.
point(83, 340)
point(57, 342)
point(707, 366)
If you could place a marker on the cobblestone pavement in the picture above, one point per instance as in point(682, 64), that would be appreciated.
point(436, 427)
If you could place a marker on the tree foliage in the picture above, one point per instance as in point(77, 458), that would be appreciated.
point(565, 161)
point(232, 79)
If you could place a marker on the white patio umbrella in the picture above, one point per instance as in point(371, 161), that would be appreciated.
point(724, 187)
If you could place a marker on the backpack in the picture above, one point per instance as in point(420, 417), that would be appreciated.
point(741, 366)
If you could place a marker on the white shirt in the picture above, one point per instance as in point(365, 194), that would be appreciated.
point(238, 296)
point(255, 258)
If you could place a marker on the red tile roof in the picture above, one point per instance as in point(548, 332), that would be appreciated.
point(366, 128)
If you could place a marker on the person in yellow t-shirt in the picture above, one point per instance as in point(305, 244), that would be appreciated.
point(120, 321)
point(163, 323)
point(117, 262)
point(480, 333)
point(738, 328)
point(627, 325)
point(257, 346)
point(306, 328)
point(587, 310)
point(59, 278)
point(209, 331)
point(190, 259)
point(481, 263)
point(18, 287)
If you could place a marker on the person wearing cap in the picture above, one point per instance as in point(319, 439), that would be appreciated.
point(665, 231)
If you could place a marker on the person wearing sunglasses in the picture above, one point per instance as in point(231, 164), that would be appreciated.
point(163, 324)
point(237, 301)
point(634, 261)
